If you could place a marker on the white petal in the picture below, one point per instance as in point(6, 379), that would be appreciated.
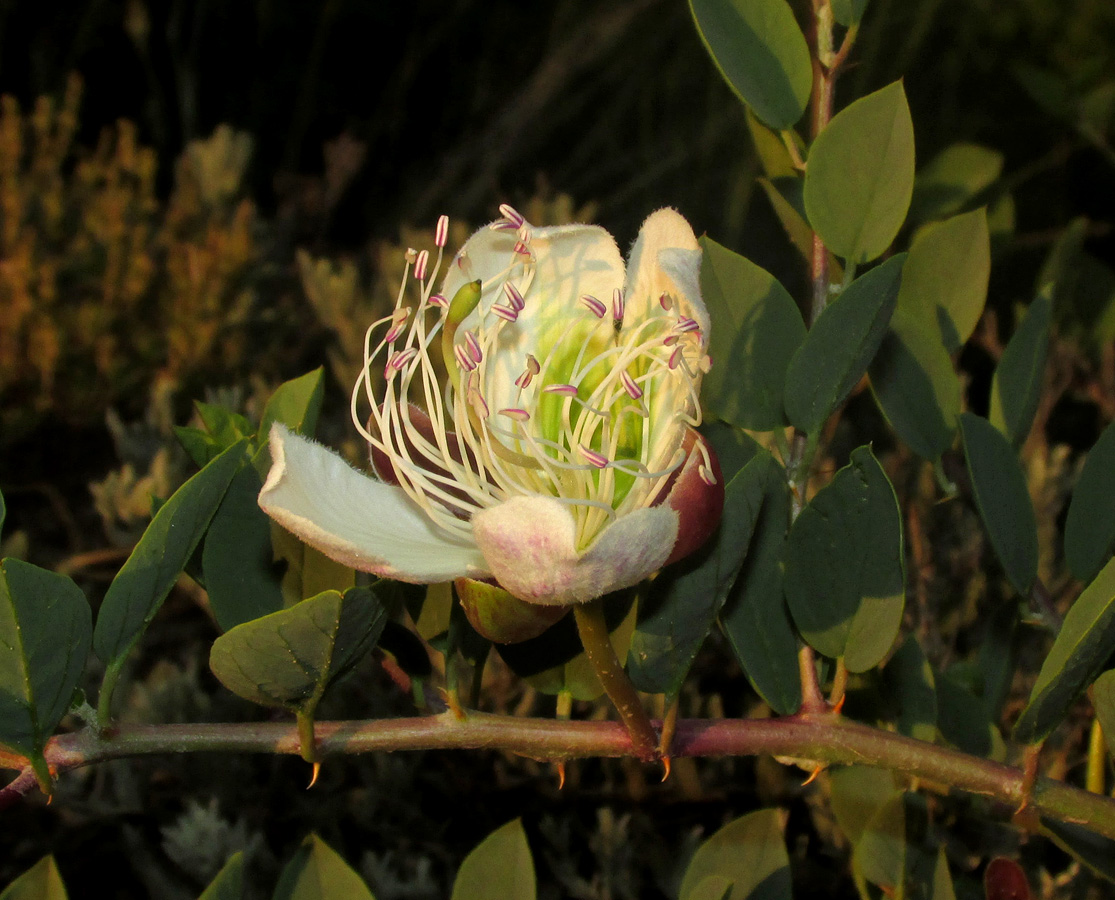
point(569, 262)
point(666, 257)
point(356, 520)
point(529, 545)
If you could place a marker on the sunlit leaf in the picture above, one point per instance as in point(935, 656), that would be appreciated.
point(1002, 498)
point(142, 584)
point(1017, 385)
point(317, 872)
point(858, 793)
point(772, 150)
point(501, 866)
point(944, 281)
point(845, 581)
point(754, 617)
point(45, 627)
point(681, 604)
point(296, 404)
point(841, 344)
point(1078, 655)
point(1103, 699)
point(761, 52)
point(41, 882)
point(758, 329)
point(916, 385)
point(288, 659)
point(860, 175)
point(750, 853)
point(237, 558)
point(880, 853)
point(229, 882)
point(1090, 525)
point(848, 12)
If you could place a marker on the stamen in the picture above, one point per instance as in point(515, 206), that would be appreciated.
point(473, 345)
point(505, 312)
point(670, 339)
point(522, 249)
point(438, 300)
point(618, 306)
point(519, 415)
point(532, 369)
point(686, 324)
point(665, 302)
point(398, 320)
point(463, 359)
point(594, 306)
point(441, 234)
point(675, 358)
point(411, 255)
point(397, 360)
point(503, 225)
point(629, 385)
point(706, 475)
point(568, 390)
point(420, 266)
point(597, 459)
point(511, 214)
point(474, 397)
point(464, 263)
point(514, 298)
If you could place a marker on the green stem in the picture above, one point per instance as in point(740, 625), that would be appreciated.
point(108, 685)
point(602, 655)
point(826, 739)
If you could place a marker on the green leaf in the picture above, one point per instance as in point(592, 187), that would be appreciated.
point(289, 658)
point(858, 793)
point(786, 199)
point(41, 882)
point(848, 12)
point(880, 853)
point(758, 329)
point(749, 852)
point(1094, 850)
point(772, 150)
point(199, 445)
point(761, 52)
point(1076, 658)
point(754, 618)
point(142, 584)
point(224, 426)
point(1103, 698)
point(714, 887)
point(908, 682)
point(944, 281)
point(916, 386)
point(682, 603)
point(1090, 525)
point(1017, 384)
point(237, 559)
point(942, 879)
point(860, 175)
point(501, 866)
point(952, 179)
point(845, 576)
point(45, 626)
point(840, 345)
point(962, 716)
point(1002, 498)
point(296, 404)
point(229, 882)
point(317, 872)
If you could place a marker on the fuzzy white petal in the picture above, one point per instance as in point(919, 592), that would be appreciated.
point(666, 258)
point(356, 520)
point(528, 543)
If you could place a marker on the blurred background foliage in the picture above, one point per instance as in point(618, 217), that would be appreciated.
point(199, 199)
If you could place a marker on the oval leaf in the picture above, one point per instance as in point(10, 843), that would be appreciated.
point(237, 560)
point(845, 577)
point(1016, 386)
point(1090, 525)
point(758, 328)
point(41, 882)
point(754, 618)
point(1076, 658)
point(682, 603)
point(229, 882)
point(910, 687)
point(500, 867)
point(748, 852)
point(317, 872)
point(944, 281)
point(952, 179)
point(860, 175)
point(1002, 498)
point(916, 386)
point(46, 625)
point(289, 658)
point(295, 403)
point(848, 12)
point(761, 52)
point(840, 346)
point(142, 584)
